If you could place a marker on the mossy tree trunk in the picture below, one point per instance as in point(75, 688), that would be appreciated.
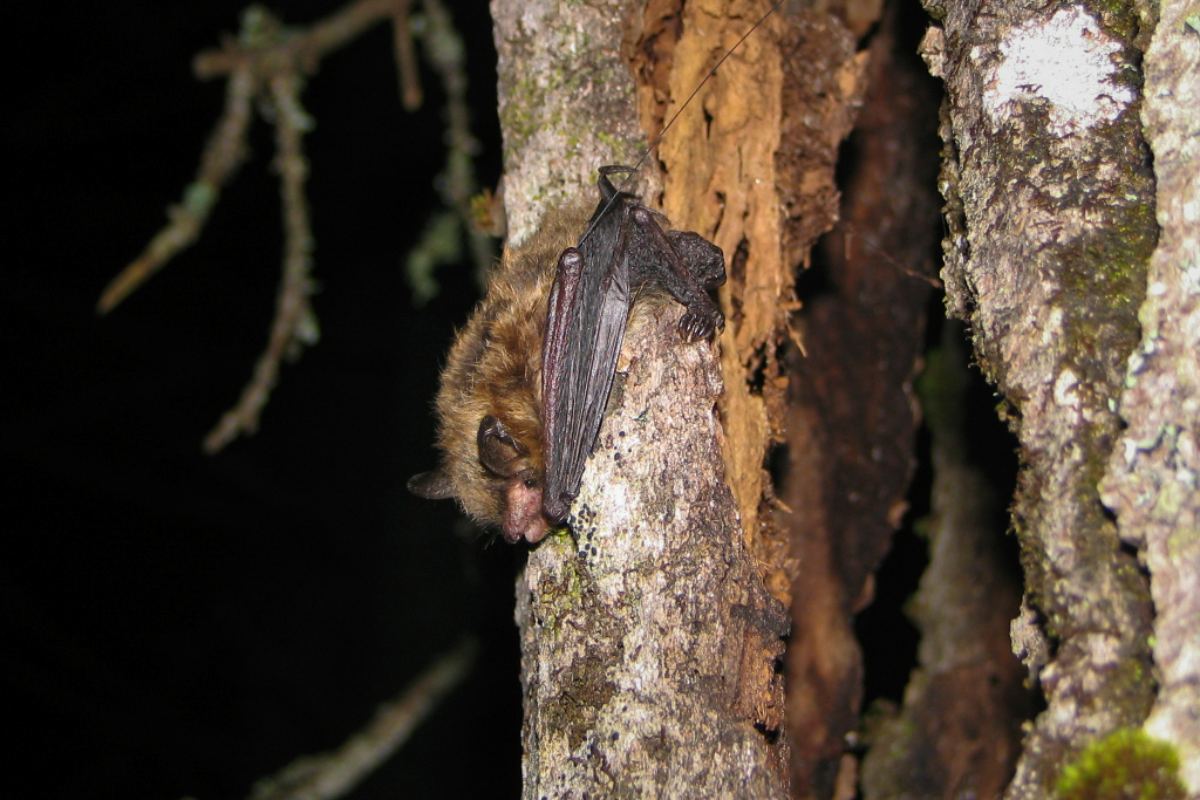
point(1053, 250)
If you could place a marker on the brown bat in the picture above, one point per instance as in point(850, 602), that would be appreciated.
point(527, 380)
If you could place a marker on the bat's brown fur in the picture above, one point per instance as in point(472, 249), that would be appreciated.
point(495, 367)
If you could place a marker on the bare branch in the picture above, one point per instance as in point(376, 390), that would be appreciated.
point(406, 61)
point(294, 324)
point(329, 775)
point(223, 154)
point(305, 49)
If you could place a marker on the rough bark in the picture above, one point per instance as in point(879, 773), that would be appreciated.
point(648, 640)
point(1153, 480)
point(649, 643)
point(1049, 205)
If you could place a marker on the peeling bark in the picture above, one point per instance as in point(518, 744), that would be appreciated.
point(1050, 208)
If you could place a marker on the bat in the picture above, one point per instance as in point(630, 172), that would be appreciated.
point(527, 380)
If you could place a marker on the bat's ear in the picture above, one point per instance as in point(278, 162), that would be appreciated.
point(499, 452)
point(434, 485)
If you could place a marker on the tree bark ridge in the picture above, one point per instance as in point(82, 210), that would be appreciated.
point(1049, 205)
point(1152, 483)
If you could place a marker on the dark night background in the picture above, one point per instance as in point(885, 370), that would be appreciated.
point(175, 624)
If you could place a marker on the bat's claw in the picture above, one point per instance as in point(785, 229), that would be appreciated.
point(700, 324)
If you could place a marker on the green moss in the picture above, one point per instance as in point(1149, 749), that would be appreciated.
point(1125, 765)
point(1118, 16)
point(568, 591)
point(517, 117)
point(1132, 22)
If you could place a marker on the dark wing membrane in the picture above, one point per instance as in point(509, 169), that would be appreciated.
point(586, 325)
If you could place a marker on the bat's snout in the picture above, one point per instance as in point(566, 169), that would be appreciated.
point(523, 517)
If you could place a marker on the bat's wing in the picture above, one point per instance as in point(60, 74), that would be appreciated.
point(622, 249)
point(589, 306)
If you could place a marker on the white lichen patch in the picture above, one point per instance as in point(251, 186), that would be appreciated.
point(1064, 389)
point(1065, 61)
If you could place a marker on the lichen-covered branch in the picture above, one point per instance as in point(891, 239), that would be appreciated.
point(223, 154)
point(441, 242)
point(1051, 225)
point(300, 49)
point(268, 62)
point(294, 325)
point(262, 49)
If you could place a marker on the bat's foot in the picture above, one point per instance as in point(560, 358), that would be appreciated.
point(701, 323)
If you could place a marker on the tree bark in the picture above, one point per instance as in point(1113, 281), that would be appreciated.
point(1153, 478)
point(1050, 207)
point(651, 636)
point(649, 640)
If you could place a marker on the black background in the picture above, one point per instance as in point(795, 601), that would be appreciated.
point(176, 624)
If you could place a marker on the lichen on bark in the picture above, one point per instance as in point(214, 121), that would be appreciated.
point(1051, 232)
point(1153, 480)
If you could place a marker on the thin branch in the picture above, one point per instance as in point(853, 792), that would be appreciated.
point(305, 49)
point(446, 53)
point(330, 775)
point(268, 58)
point(223, 154)
point(406, 60)
point(294, 324)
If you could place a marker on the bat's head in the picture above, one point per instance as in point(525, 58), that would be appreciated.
point(506, 491)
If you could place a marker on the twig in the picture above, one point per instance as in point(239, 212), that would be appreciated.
point(445, 50)
point(406, 62)
point(304, 49)
point(267, 58)
point(294, 324)
point(330, 775)
point(223, 154)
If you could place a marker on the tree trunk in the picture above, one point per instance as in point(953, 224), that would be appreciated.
point(650, 641)
point(1152, 483)
point(1050, 205)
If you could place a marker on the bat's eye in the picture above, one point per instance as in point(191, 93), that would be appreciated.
point(530, 483)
